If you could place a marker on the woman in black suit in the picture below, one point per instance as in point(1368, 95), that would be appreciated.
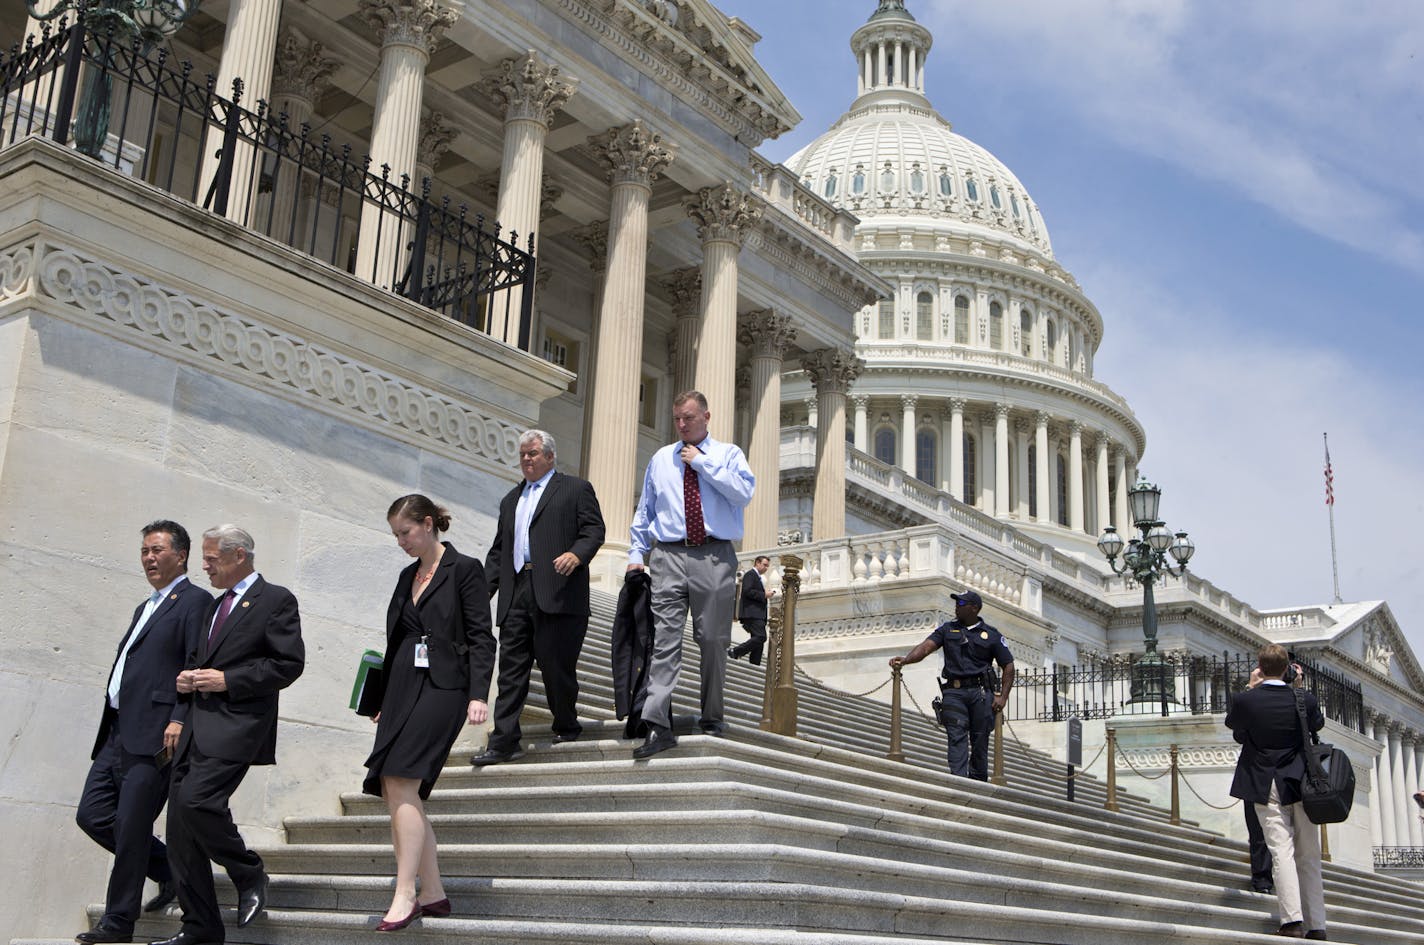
point(439, 659)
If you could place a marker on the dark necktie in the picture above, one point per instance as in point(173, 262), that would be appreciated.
point(224, 609)
point(692, 506)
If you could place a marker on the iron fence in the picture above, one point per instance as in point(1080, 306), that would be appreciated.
point(1399, 858)
point(129, 107)
point(1170, 683)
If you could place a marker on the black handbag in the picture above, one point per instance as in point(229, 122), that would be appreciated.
point(1327, 792)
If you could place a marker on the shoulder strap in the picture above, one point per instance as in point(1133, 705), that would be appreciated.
point(1312, 763)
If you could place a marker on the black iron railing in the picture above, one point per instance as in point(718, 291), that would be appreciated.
point(1197, 685)
point(131, 108)
point(1399, 858)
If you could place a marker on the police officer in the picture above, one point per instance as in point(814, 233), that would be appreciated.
point(970, 645)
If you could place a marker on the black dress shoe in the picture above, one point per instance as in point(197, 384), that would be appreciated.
point(491, 756)
point(103, 933)
point(167, 892)
point(187, 938)
point(1291, 930)
point(716, 731)
point(250, 901)
point(661, 739)
point(1265, 888)
point(1317, 934)
point(562, 737)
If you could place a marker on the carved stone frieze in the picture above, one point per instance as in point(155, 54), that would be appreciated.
point(527, 89)
point(632, 153)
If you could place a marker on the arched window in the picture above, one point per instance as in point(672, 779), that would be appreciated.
point(971, 487)
point(917, 179)
point(1072, 351)
point(887, 179)
point(946, 184)
point(971, 190)
point(996, 326)
point(961, 320)
point(924, 317)
point(1033, 480)
point(1025, 332)
point(925, 450)
point(1014, 203)
point(831, 185)
point(857, 181)
point(885, 445)
point(994, 197)
point(1062, 489)
point(887, 318)
point(1051, 341)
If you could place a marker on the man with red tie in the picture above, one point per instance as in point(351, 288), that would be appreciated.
point(688, 515)
point(250, 650)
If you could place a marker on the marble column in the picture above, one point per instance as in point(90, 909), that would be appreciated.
point(436, 136)
point(1377, 794)
point(768, 335)
point(684, 289)
point(907, 432)
point(594, 239)
point(1001, 460)
point(1101, 469)
point(861, 402)
point(1021, 435)
point(1411, 787)
point(811, 411)
point(635, 157)
point(300, 73)
point(832, 371)
point(1121, 516)
point(35, 28)
point(1075, 476)
point(724, 215)
point(409, 31)
point(985, 457)
point(249, 50)
point(956, 448)
point(1040, 461)
point(530, 93)
point(1384, 784)
point(1402, 801)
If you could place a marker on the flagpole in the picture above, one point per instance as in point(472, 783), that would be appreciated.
point(1330, 504)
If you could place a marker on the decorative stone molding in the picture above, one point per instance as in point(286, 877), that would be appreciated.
point(550, 193)
point(594, 239)
point(1379, 647)
point(1001, 410)
point(436, 134)
point(632, 154)
point(299, 70)
point(869, 623)
point(766, 333)
point(418, 23)
point(17, 269)
point(832, 370)
point(203, 334)
point(684, 288)
point(528, 90)
point(743, 381)
point(724, 214)
point(1198, 756)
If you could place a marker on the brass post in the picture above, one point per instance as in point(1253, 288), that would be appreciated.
point(1176, 798)
point(895, 753)
point(783, 696)
point(1112, 770)
point(998, 774)
point(1324, 844)
point(773, 660)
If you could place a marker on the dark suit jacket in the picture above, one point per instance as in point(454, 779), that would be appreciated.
point(567, 518)
point(260, 652)
point(148, 693)
point(753, 596)
point(1265, 722)
point(454, 610)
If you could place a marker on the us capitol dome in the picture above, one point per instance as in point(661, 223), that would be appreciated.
point(978, 377)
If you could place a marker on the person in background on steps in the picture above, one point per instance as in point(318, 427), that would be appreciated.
point(754, 599)
point(142, 719)
point(550, 527)
point(438, 663)
point(1264, 719)
point(970, 646)
point(688, 515)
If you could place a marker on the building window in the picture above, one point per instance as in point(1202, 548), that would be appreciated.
point(946, 184)
point(1025, 332)
point(1062, 490)
point(857, 181)
point(961, 320)
point(564, 351)
point(1014, 203)
point(887, 179)
point(831, 185)
point(885, 445)
point(925, 450)
point(971, 487)
point(1106, 515)
point(648, 402)
point(971, 190)
point(887, 318)
point(1072, 351)
point(994, 197)
point(1033, 480)
point(1051, 340)
point(924, 317)
point(917, 180)
point(996, 326)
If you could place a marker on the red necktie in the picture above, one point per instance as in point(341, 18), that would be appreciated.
point(224, 609)
point(692, 506)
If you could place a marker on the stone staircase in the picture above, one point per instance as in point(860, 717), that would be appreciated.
point(760, 839)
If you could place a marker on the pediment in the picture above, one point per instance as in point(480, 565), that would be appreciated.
point(1376, 641)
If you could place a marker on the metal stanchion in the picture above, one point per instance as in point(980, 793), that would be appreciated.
point(1176, 798)
point(998, 776)
point(783, 696)
point(1324, 844)
point(895, 753)
point(773, 663)
point(1112, 770)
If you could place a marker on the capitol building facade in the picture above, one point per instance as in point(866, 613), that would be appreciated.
point(208, 314)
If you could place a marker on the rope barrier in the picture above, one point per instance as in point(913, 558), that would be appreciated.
point(1052, 772)
point(1138, 772)
point(1181, 776)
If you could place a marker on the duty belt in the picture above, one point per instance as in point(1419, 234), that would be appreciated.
point(962, 682)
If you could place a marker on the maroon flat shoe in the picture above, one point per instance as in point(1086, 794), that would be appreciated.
point(399, 924)
point(438, 909)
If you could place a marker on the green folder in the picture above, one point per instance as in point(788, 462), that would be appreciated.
point(370, 686)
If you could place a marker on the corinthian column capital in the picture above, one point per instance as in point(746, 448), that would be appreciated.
point(632, 154)
point(832, 370)
point(436, 133)
point(684, 289)
point(419, 23)
point(528, 89)
point(767, 333)
point(299, 70)
point(724, 213)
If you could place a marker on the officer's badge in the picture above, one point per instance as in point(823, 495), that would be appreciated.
point(983, 634)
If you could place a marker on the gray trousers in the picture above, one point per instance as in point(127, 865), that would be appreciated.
point(704, 581)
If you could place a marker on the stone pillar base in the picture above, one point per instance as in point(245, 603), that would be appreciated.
point(606, 570)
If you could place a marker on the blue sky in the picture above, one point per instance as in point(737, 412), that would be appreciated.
point(1237, 187)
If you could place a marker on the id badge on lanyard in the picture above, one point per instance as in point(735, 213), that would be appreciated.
point(422, 655)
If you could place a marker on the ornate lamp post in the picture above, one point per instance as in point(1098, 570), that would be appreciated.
point(148, 21)
point(1146, 559)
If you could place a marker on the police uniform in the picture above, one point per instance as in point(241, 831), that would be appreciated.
point(968, 711)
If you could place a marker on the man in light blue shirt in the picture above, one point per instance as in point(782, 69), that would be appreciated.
point(687, 517)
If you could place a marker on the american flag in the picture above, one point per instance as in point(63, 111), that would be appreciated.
point(1329, 478)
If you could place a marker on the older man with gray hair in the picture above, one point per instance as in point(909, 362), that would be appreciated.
point(549, 529)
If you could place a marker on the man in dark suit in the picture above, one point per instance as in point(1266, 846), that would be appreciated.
point(141, 722)
point(752, 612)
point(1264, 719)
point(549, 528)
point(250, 650)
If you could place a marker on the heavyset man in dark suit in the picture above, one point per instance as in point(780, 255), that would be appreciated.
point(752, 612)
point(251, 650)
point(142, 718)
point(549, 528)
point(1264, 719)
